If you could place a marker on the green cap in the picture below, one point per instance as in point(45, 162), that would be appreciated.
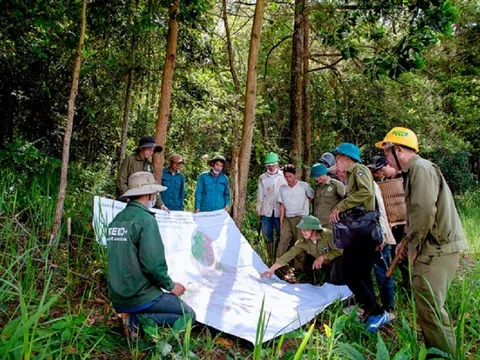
point(310, 222)
point(271, 158)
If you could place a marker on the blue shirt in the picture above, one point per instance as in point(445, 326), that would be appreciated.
point(174, 196)
point(212, 192)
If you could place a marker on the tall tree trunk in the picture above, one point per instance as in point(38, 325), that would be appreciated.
point(307, 154)
point(296, 83)
point(166, 90)
point(249, 114)
point(68, 130)
point(128, 104)
point(235, 151)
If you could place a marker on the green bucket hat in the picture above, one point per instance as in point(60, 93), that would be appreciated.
point(310, 222)
point(271, 158)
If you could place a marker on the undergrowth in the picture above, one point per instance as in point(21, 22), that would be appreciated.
point(54, 303)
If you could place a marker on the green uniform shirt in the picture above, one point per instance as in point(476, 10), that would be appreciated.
point(360, 189)
point(130, 165)
point(327, 196)
point(434, 227)
point(324, 246)
point(137, 269)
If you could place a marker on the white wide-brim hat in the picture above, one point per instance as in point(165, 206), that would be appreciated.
point(142, 183)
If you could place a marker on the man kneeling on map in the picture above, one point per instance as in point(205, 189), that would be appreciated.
point(138, 280)
point(317, 242)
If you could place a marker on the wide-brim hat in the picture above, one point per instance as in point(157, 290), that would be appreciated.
point(142, 183)
point(310, 222)
point(215, 159)
point(149, 142)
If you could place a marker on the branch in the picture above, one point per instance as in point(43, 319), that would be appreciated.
point(270, 51)
point(327, 66)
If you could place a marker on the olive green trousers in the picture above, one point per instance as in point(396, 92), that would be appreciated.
point(431, 278)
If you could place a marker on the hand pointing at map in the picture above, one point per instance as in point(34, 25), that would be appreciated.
point(271, 271)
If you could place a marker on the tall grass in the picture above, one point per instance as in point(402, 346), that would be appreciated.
point(53, 302)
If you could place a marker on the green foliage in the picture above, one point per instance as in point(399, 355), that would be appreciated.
point(454, 166)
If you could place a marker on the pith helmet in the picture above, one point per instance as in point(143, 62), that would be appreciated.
point(400, 136)
point(318, 170)
point(142, 183)
point(327, 159)
point(217, 158)
point(310, 222)
point(350, 150)
point(271, 159)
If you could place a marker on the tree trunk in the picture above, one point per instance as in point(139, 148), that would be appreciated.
point(166, 89)
point(307, 154)
point(127, 106)
point(249, 114)
point(68, 130)
point(236, 125)
point(296, 83)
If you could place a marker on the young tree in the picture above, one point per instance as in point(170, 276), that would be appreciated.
point(296, 82)
point(249, 114)
point(68, 130)
point(166, 89)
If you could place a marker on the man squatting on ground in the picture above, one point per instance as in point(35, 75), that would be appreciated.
point(138, 280)
point(435, 235)
point(317, 242)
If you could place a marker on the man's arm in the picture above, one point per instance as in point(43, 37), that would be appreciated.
point(364, 193)
point(309, 192)
point(226, 193)
point(340, 188)
point(151, 254)
point(122, 177)
point(199, 192)
point(182, 191)
point(260, 196)
point(423, 197)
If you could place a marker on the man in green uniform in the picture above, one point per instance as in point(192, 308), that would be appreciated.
point(359, 254)
point(317, 242)
point(328, 193)
point(434, 232)
point(138, 280)
point(139, 161)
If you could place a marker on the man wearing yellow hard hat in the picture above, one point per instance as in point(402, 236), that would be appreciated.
point(435, 235)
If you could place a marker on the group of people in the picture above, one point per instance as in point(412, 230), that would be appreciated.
point(345, 194)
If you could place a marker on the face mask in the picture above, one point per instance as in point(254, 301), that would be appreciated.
point(215, 171)
point(151, 203)
point(272, 172)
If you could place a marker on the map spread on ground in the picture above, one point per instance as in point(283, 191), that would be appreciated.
point(207, 253)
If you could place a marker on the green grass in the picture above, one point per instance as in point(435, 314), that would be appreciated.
point(54, 304)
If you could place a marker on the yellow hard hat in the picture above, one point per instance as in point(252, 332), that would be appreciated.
point(400, 136)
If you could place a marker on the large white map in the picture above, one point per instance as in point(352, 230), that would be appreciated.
point(207, 253)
